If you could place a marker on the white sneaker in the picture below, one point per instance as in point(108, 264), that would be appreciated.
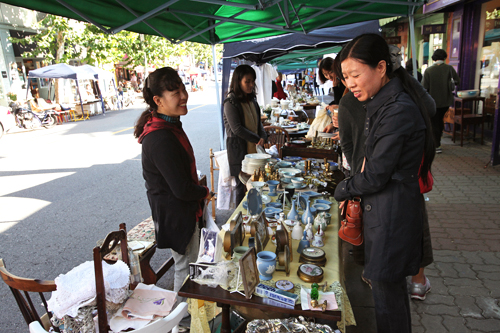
point(419, 291)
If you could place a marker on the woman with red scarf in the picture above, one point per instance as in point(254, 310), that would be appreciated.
point(169, 169)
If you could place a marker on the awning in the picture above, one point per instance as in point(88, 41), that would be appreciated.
point(263, 50)
point(218, 21)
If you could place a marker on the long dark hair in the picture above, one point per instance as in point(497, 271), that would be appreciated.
point(156, 83)
point(326, 64)
point(239, 73)
point(370, 49)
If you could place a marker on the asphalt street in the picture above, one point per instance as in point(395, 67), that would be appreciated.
point(63, 189)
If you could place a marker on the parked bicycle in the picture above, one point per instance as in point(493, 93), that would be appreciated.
point(28, 119)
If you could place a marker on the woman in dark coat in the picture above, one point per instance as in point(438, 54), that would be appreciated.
point(398, 149)
point(244, 128)
point(169, 169)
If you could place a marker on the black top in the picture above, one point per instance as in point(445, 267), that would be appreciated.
point(173, 196)
point(389, 189)
point(338, 91)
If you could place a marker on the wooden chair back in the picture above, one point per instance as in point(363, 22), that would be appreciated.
point(19, 285)
point(110, 242)
point(276, 136)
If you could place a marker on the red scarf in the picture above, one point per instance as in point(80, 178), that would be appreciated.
point(155, 124)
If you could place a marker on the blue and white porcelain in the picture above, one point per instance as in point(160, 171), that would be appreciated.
point(304, 243)
point(266, 264)
point(271, 211)
point(307, 215)
point(273, 185)
point(274, 204)
point(293, 214)
point(321, 207)
point(322, 201)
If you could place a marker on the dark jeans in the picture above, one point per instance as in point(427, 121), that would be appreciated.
point(437, 123)
point(392, 307)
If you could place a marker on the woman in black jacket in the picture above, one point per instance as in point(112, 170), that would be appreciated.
point(244, 128)
point(398, 149)
point(169, 169)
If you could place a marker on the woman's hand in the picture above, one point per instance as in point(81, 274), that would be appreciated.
point(261, 142)
point(328, 129)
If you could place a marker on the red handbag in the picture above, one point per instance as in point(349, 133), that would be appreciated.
point(351, 228)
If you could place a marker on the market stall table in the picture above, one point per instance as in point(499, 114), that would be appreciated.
point(332, 275)
point(305, 152)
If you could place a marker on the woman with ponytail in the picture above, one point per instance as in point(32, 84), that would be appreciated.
point(169, 169)
point(398, 149)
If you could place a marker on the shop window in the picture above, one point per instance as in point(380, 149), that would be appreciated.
point(489, 53)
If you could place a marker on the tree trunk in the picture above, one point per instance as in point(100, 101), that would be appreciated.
point(59, 55)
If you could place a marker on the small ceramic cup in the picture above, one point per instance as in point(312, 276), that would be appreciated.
point(297, 182)
point(239, 251)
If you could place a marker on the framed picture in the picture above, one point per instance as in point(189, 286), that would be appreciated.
point(237, 232)
point(208, 246)
point(249, 272)
point(261, 233)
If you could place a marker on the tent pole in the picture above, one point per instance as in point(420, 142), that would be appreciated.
point(413, 46)
point(217, 93)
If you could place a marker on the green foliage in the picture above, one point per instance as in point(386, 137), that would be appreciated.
point(61, 39)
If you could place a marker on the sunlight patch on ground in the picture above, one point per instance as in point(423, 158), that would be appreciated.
point(13, 184)
point(16, 209)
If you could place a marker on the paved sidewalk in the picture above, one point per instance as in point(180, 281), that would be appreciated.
point(464, 216)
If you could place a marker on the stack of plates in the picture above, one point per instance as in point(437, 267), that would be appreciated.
point(325, 135)
point(253, 162)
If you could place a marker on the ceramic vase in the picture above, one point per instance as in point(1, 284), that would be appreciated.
point(293, 214)
point(266, 264)
point(320, 221)
point(307, 216)
point(273, 185)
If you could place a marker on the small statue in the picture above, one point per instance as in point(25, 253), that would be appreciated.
point(314, 295)
point(309, 231)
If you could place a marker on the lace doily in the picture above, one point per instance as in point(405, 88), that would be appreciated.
point(77, 287)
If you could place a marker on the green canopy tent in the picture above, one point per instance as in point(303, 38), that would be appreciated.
point(218, 21)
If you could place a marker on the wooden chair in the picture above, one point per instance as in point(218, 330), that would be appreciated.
point(276, 136)
point(18, 285)
point(114, 238)
point(110, 242)
point(466, 120)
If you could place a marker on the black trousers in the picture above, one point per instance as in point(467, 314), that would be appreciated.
point(392, 306)
point(437, 123)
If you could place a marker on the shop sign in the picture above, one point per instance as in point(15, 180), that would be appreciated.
point(432, 6)
point(433, 29)
point(393, 40)
point(492, 24)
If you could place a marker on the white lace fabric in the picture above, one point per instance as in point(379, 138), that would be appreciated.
point(77, 287)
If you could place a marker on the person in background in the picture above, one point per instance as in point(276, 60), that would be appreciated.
point(315, 83)
point(409, 68)
point(279, 94)
point(327, 72)
point(437, 81)
point(244, 130)
point(398, 150)
point(133, 82)
point(169, 168)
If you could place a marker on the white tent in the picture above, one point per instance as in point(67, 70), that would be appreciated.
point(62, 71)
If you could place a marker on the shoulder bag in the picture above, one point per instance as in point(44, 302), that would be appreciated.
point(351, 228)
